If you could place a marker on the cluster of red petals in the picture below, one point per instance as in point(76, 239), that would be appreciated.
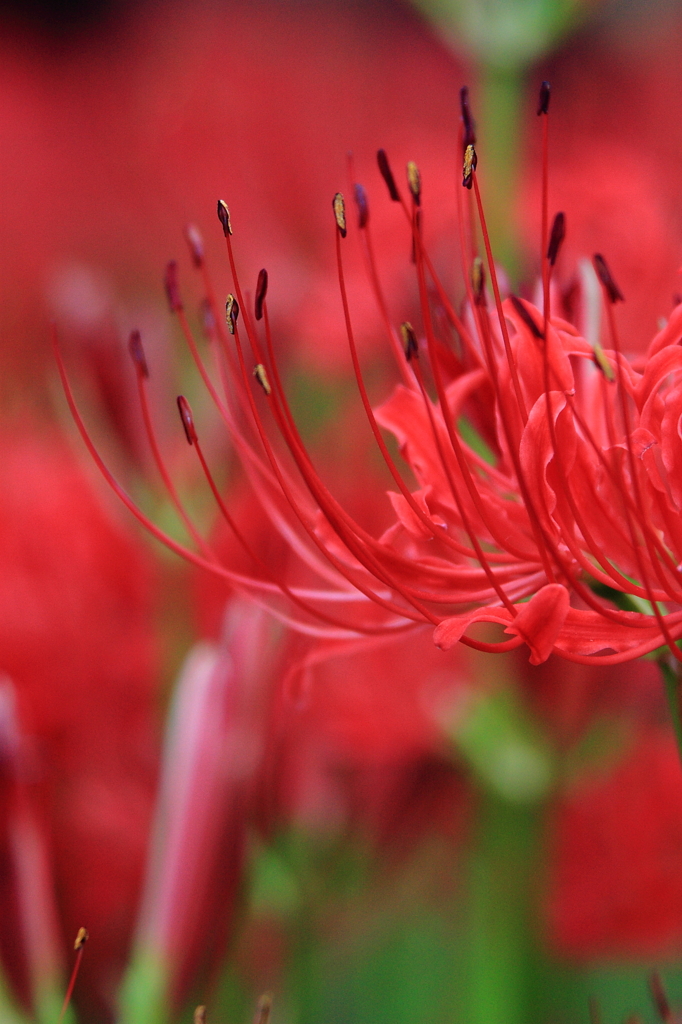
point(562, 527)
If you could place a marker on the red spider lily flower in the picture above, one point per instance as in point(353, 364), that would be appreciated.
point(614, 884)
point(573, 512)
point(76, 640)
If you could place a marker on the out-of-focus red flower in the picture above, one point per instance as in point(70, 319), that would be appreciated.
point(76, 639)
point(116, 143)
point(614, 887)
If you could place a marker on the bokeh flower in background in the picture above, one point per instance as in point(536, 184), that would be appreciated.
point(121, 138)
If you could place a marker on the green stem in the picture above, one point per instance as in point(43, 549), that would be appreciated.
point(672, 681)
point(501, 98)
point(501, 912)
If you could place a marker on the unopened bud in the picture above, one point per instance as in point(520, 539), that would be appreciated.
point(137, 352)
point(172, 290)
point(387, 175)
point(224, 217)
point(261, 292)
point(410, 346)
point(187, 419)
point(196, 245)
point(361, 203)
point(81, 939)
point(470, 161)
point(556, 238)
point(543, 99)
point(339, 208)
point(604, 274)
point(469, 133)
point(261, 376)
point(231, 313)
point(414, 182)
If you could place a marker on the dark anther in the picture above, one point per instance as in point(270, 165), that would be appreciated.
point(478, 281)
point(224, 217)
point(414, 182)
point(556, 238)
point(660, 998)
point(361, 203)
point(470, 161)
point(261, 292)
point(196, 245)
point(172, 290)
point(527, 318)
point(469, 135)
point(543, 100)
point(339, 208)
point(604, 274)
point(187, 419)
point(387, 175)
point(410, 346)
point(137, 352)
point(231, 313)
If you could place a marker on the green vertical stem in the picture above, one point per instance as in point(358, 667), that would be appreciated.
point(501, 912)
point(672, 681)
point(500, 114)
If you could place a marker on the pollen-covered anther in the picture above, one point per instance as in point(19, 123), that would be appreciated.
point(196, 245)
point(362, 205)
point(137, 353)
point(339, 208)
point(556, 238)
point(172, 288)
point(187, 419)
point(387, 175)
point(469, 134)
point(231, 312)
point(410, 345)
point(602, 363)
point(414, 182)
point(261, 375)
point(604, 274)
point(261, 292)
point(470, 161)
point(224, 217)
point(478, 281)
point(81, 938)
point(543, 99)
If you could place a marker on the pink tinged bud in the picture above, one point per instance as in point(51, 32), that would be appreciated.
point(172, 288)
point(212, 749)
point(35, 929)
